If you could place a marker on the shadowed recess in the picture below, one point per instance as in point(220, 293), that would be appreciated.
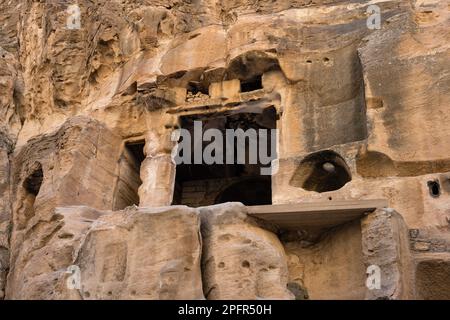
point(321, 172)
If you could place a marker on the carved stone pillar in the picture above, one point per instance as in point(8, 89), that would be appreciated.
point(158, 170)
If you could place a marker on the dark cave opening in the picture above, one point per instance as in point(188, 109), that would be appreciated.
point(322, 172)
point(434, 188)
point(32, 186)
point(34, 181)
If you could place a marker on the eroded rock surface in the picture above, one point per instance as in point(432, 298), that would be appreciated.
point(119, 255)
point(143, 254)
point(241, 260)
point(40, 267)
point(89, 103)
point(386, 246)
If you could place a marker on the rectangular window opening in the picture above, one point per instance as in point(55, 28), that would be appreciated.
point(252, 84)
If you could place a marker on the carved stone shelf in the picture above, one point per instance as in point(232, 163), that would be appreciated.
point(315, 215)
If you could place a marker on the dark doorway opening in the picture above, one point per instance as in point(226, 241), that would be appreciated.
point(129, 181)
point(137, 151)
point(207, 184)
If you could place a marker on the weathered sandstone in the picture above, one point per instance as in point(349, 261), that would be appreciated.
point(89, 105)
point(240, 259)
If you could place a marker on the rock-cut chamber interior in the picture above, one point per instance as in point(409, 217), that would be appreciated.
point(204, 184)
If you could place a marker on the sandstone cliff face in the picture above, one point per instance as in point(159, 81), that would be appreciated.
point(126, 255)
point(86, 117)
point(151, 254)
